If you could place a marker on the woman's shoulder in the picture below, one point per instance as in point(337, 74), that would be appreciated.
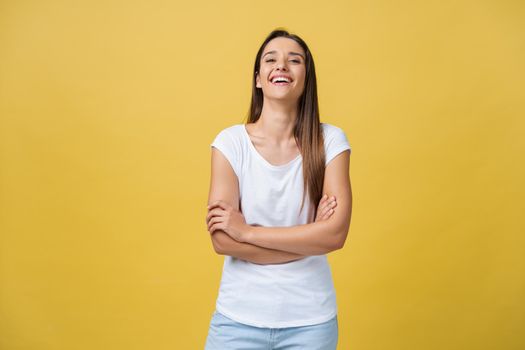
point(327, 127)
point(230, 139)
point(335, 139)
point(234, 130)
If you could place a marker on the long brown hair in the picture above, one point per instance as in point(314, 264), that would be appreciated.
point(307, 130)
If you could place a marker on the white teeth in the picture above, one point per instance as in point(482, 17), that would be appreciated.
point(280, 79)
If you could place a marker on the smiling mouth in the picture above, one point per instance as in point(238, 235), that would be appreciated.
point(280, 79)
point(280, 83)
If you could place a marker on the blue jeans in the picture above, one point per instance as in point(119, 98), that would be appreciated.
point(227, 334)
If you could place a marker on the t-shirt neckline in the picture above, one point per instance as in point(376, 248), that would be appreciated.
point(256, 152)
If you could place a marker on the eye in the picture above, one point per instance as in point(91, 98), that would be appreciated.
point(271, 60)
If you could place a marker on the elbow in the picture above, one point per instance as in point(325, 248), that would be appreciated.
point(339, 234)
point(222, 243)
point(342, 234)
point(335, 244)
point(217, 246)
point(340, 239)
point(338, 244)
point(217, 249)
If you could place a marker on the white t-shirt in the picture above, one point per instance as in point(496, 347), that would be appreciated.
point(292, 294)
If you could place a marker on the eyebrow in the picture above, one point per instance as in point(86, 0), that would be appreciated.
point(291, 53)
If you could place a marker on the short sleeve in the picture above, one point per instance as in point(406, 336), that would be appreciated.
point(335, 142)
point(226, 143)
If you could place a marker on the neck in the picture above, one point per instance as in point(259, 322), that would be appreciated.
point(277, 121)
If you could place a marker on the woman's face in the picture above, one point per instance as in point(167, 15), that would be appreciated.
point(282, 57)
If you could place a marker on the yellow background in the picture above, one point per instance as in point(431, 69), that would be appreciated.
point(108, 109)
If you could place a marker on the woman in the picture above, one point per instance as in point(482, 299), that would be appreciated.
point(276, 289)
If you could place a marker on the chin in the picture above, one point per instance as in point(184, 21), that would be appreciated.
point(285, 98)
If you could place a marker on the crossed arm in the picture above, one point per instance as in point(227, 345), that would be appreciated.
point(225, 245)
point(273, 245)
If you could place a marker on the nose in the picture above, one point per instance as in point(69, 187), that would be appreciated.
point(281, 64)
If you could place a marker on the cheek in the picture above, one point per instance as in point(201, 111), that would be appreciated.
point(301, 80)
point(301, 75)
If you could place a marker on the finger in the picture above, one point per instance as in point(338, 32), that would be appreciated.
point(320, 212)
point(214, 220)
point(322, 203)
point(323, 214)
point(216, 226)
point(323, 199)
point(215, 212)
point(328, 214)
point(326, 208)
point(330, 210)
point(323, 206)
point(219, 203)
point(210, 214)
point(215, 204)
point(210, 223)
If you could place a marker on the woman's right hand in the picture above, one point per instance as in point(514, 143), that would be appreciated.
point(325, 208)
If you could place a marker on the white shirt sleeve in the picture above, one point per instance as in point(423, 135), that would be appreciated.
point(335, 143)
point(226, 143)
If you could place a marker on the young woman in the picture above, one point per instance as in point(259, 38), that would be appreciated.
point(276, 289)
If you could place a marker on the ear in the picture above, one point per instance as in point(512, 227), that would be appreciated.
point(257, 80)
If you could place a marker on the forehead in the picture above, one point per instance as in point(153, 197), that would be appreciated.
point(283, 45)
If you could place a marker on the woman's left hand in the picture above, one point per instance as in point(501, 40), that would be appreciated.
point(222, 216)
